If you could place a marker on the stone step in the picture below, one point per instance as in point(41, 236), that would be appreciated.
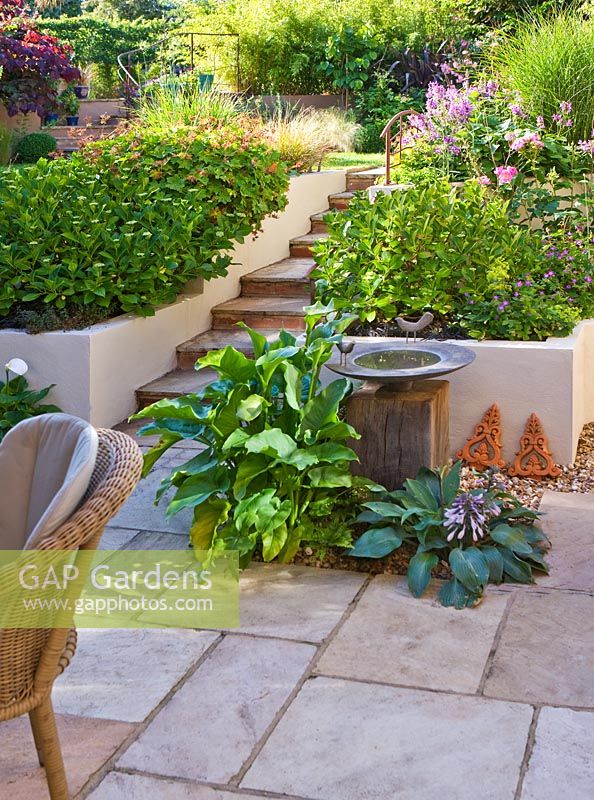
point(317, 220)
point(286, 278)
point(301, 247)
point(268, 313)
point(174, 384)
point(189, 352)
point(68, 137)
point(364, 179)
point(340, 201)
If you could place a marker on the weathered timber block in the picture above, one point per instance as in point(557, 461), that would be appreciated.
point(400, 431)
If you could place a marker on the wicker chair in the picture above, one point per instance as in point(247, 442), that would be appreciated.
point(31, 659)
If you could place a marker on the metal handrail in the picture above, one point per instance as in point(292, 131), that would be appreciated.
point(127, 56)
point(387, 135)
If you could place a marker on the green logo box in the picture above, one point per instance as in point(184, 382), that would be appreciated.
point(118, 589)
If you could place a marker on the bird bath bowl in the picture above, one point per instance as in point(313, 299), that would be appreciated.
point(398, 366)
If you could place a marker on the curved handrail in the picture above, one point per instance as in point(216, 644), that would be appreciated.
point(387, 135)
point(129, 53)
point(124, 60)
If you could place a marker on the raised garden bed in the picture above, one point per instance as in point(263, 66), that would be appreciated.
point(97, 370)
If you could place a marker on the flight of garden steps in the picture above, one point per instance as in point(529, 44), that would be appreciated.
point(271, 298)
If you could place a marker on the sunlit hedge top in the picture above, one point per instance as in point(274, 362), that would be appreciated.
point(126, 223)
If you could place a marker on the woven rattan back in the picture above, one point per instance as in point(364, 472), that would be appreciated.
point(30, 659)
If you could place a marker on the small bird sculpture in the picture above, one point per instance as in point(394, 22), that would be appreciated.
point(415, 327)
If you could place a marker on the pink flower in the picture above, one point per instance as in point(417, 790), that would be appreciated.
point(505, 174)
point(528, 139)
point(484, 180)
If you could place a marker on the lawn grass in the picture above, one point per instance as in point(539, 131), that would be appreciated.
point(350, 160)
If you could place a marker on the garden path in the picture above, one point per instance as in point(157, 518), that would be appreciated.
point(336, 687)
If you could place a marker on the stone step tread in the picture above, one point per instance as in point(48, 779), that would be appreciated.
point(176, 383)
point(288, 269)
point(368, 173)
point(217, 339)
point(65, 129)
point(342, 196)
point(319, 217)
point(309, 238)
point(266, 306)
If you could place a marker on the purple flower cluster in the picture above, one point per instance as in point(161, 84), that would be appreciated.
point(563, 116)
point(469, 515)
point(449, 102)
point(587, 145)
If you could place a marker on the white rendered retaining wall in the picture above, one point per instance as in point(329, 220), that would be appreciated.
point(554, 379)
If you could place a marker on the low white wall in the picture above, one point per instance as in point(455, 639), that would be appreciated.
point(523, 377)
point(98, 369)
point(554, 379)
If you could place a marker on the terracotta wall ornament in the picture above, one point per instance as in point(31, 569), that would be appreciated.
point(483, 448)
point(534, 459)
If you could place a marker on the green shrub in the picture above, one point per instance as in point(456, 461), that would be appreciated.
point(5, 143)
point(548, 60)
point(287, 45)
point(456, 252)
point(375, 106)
point(34, 146)
point(128, 222)
point(485, 535)
point(275, 471)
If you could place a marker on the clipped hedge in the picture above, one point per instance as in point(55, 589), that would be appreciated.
point(126, 223)
point(99, 41)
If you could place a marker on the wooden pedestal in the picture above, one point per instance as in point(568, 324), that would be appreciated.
point(400, 431)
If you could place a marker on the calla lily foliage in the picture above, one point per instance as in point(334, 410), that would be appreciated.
point(275, 463)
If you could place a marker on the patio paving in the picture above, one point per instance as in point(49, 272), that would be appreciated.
point(336, 687)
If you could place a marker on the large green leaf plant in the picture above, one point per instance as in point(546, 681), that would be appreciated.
point(275, 466)
point(485, 535)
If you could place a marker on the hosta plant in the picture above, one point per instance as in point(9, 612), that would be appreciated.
point(485, 535)
point(275, 466)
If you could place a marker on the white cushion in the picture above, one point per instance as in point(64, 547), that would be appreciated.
point(46, 464)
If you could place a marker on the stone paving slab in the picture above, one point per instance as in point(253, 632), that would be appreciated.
point(146, 442)
point(210, 726)
point(295, 602)
point(121, 786)
point(343, 740)
point(546, 651)
point(569, 523)
point(156, 540)
point(116, 538)
point(139, 511)
point(394, 637)
point(86, 746)
point(562, 762)
point(124, 674)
